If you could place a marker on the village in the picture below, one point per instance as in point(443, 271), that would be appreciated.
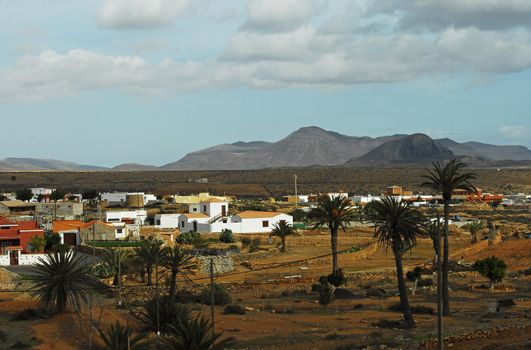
point(259, 263)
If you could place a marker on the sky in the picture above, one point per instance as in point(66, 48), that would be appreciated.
point(105, 82)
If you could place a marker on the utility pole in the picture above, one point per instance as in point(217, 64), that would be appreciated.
point(212, 297)
point(440, 340)
point(157, 295)
point(296, 194)
point(120, 277)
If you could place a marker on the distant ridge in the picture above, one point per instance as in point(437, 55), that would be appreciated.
point(310, 146)
point(412, 149)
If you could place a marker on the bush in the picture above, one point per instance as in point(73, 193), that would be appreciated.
point(170, 314)
point(251, 244)
point(189, 237)
point(101, 270)
point(492, 268)
point(325, 290)
point(29, 315)
point(389, 324)
point(227, 236)
point(221, 296)
point(337, 278)
point(233, 310)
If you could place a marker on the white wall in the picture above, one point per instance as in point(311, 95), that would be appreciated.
point(4, 259)
point(116, 216)
point(167, 220)
point(238, 225)
point(29, 259)
point(114, 197)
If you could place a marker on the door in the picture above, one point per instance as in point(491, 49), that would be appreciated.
point(223, 210)
point(195, 226)
point(13, 257)
point(69, 238)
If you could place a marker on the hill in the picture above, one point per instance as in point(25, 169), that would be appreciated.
point(34, 164)
point(413, 149)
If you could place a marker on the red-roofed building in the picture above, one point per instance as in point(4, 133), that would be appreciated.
point(16, 236)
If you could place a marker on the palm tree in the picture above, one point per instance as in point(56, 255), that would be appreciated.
point(195, 334)
point(178, 261)
point(397, 227)
point(118, 337)
point(60, 279)
point(160, 317)
point(282, 230)
point(149, 253)
point(335, 213)
point(445, 179)
point(474, 228)
point(115, 260)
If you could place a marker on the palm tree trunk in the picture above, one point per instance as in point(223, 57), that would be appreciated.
point(445, 267)
point(437, 242)
point(115, 279)
point(283, 250)
point(404, 301)
point(149, 270)
point(333, 239)
point(173, 284)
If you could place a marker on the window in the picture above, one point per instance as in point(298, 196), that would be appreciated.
point(265, 223)
point(194, 209)
point(182, 223)
point(119, 231)
point(204, 208)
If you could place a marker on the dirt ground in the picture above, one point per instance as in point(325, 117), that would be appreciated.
point(283, 313)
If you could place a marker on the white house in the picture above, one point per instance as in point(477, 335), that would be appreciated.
point(213, 216)
point(167, 220)
point(114, 198)
point(137, 217)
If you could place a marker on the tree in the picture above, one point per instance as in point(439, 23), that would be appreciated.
point(149, 253)
point(37, 244)
point(179, 262)
point(57, 195)
point(116, 261)
point(118, 337)
point(226, 236)
point(474, 229)
point(61, 279)
point(397, 227)
point(90, 195)
point(492, 268)
point(24, 195)
point(52, 239)
point(161, 317)
point(445, 179)
point(334, 213)
point(283, 230)
point(195, 334)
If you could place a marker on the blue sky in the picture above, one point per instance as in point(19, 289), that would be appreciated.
point(112, 81)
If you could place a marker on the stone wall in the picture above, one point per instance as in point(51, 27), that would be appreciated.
point(222, 264)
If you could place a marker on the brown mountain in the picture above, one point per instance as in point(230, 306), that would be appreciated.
point(412, 149)
point(305, 147)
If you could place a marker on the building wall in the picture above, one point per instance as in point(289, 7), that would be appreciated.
point(4, 259)
point(167, 220)
point(116, 216)
point(30, 259)
point(238, 225)
point(66, 209)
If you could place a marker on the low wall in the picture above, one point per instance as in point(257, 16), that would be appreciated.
point(4, 260)
point(222, 264)
point(30, 259)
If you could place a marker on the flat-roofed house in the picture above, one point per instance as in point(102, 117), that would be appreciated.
point(15, 238)
point(16, 207)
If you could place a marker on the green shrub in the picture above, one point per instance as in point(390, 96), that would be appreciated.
point(29, 315)
point(492, 268)
point(101, 270)
point(337, 278)
point(169, 314)
point(227, 236)
point(221, 296)
point(189, 237)
point(233, 310)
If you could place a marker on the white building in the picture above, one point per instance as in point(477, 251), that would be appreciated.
point(137, 217)
point(213, 216)
point(42, 191)
point(167, 220)
point(114, 198)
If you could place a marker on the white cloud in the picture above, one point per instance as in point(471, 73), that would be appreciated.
point(279, 15)
point(139, 13)
point(515, 133)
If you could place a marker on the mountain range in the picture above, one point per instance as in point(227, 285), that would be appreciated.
point(309, 146)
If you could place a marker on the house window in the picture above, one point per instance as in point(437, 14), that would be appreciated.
point(204, 208)
point(194, 209)
point(224, 221)
point(119, 230)
point(265, 223)
point(182, 223)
